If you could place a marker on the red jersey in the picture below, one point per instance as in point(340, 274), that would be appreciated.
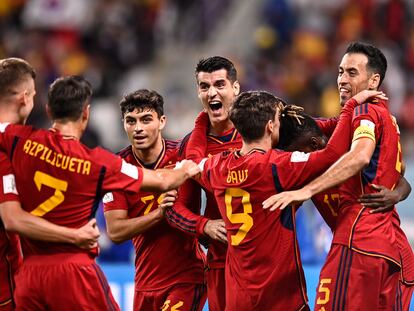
point(327, 204)
point(263, 257)
point(327, 125)
point(10, 254)
point(371, 234)
point(185, 214)
point(162, 241)
point(62, 180)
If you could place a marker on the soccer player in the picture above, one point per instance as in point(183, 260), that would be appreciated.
point(361, 270)
point(263, 269)
point(62, 180)
point(217, 86)
point(159, 285)
point(306, 136)
point(17, 91)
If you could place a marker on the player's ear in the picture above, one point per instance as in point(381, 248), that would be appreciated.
point(163, 122)
point(314, 143)
point(236, 88)
point(86, 112)
point(270, 126)
point(374, 81)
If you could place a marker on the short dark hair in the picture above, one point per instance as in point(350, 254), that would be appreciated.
point(377, 62)
point(291, 130)
point(251, 111)
point(215, 63)
point(67, 97)
point(142, 99)
point(12, 72)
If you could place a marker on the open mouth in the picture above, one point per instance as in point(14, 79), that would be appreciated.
point(139, 137)
point(215, 106)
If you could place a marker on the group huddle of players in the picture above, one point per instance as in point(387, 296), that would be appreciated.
point(247, 150)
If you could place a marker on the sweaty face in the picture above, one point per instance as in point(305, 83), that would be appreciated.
point(217, 94)
point(143, 128)
point(353, 76)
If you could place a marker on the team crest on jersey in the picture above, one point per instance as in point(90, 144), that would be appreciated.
point(298, 156)
point(9, 184)
point(108, 197)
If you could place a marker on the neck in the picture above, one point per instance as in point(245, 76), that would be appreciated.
point(219, 128)
point(10, 115)
point(151, 154)
point(71, 128)
point(264, 143)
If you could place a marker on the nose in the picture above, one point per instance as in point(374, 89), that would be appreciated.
point(212, 91)
point(342, 79)
point(137, 128)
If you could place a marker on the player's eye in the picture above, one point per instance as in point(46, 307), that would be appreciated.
point(203, 86)
point(221, 84)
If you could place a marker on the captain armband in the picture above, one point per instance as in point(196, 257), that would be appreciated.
point(366, 129)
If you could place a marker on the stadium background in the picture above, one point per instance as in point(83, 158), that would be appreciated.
point(289, 47)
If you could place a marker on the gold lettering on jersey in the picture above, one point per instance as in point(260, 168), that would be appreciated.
point(237, 177)
point(38, 150)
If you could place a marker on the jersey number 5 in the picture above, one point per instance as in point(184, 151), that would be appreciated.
point(58, 197)
point(239, 218)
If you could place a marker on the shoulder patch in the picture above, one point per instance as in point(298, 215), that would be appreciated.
point(201, 164)
point(129, 170)
point(9, 184)
point(368, 123)
point(108, 197)
point(298, 156)
point(3, 127)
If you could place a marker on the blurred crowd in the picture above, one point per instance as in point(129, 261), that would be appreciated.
point(297, 43)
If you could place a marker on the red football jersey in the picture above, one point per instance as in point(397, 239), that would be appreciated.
point(152, 247)
point(371, 234)
point(10, 253)
point(327, 125)
point(406, 252)
point(186, 217)
point(263, 258)
point(61, 180)
point(327, 204)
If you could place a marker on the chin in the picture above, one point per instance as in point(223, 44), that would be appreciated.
point(343, 101)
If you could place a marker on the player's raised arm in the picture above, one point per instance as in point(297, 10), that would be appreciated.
point(348, 165)
point(163, 180)
point(197, 144)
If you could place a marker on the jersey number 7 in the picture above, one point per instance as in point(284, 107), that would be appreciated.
point(58, 197)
